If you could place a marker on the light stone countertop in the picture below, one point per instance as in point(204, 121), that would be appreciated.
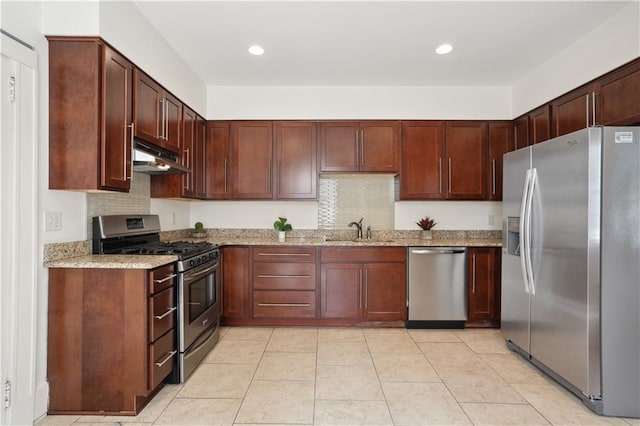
point(399, 242)
point(113, 261)
point(84, 260)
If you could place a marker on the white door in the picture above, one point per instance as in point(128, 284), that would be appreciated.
point(18, 231)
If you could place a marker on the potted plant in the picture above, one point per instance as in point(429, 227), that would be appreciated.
point(426, 224)
point(198, 230)
point(282, 227)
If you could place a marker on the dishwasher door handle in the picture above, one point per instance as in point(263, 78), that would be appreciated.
point(436, 251)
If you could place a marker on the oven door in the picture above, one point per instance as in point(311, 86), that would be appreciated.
point(200, 304)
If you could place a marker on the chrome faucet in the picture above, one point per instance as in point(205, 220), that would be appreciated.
point(359, 226)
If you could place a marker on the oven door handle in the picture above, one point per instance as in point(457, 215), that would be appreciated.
point(195, 275)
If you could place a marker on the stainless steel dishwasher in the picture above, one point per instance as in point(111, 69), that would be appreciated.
point(437, 287)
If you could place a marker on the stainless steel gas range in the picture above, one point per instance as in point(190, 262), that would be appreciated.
point(199, 297)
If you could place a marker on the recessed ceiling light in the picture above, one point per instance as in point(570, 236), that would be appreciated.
point(443, 49)
point(256, 50)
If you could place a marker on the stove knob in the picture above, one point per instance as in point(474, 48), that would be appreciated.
point(191, 262)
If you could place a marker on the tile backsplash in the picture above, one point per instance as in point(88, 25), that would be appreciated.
point(136, 201)
point(344, 199)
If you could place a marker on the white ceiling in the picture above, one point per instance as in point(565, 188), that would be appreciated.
point(371, 43)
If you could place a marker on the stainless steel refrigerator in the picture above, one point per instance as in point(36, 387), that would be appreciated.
point(571, 263)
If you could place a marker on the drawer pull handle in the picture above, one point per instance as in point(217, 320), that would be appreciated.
point(284, 276)
point(159, 317)
point(167, 278)
point(284, 254)
point(164, 361)
point(287, 305)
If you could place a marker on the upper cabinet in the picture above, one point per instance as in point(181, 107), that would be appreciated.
point(540, 124)
point(367, 146)
point(157, 113)
point(521, 132)
point(501, 141)
point(296, 166)
point(251, 160)
point(89, 115)
point(574, 111)
point(422, 154)
point(216, 160)
point(444, 160)
point(466, 153)
point(618, 97)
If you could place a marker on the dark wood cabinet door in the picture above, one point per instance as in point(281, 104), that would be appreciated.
point(540, 120)
point(385, 292)
point(618, 98)
point(115, 155)
point(296, 153)
point(521, 132)
point(339, 147)
point(422, 160)
point(235, 283)
point(188, 155)
point(466, 153)
point(573, 111)
point(379, 146)
point(341, 290)
point(217, 160)
point(252, 159)
point(199, 152)
point(501, 141)
point(484, 286)
point(173, 124)
point(147, 108)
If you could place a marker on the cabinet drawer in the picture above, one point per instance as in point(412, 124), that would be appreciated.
point(284, 254)
point(162, 358)
point(284, 276)
point(161, 278)
point(363, 255)
point(284, 304)
point(163, 308)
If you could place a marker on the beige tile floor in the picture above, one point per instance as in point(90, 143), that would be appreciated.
point(353, 376)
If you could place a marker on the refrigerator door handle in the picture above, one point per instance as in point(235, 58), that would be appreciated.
point(527, 231)
point(523, 236)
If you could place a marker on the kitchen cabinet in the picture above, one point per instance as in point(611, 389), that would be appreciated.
point(466, 160)
point(521, 132)
point(181, 185)
point(251, 160)
point(368, 146)
point(422, 154)
point(200, 154)
point(284, 282)
point(90, 116)
point(296, 165)
point(216, 161)
point(618, 98)
point(575, 110)
point(501, 141)
point(235, 284)
point(111, 338)
point(483, 286)
point(157, 113)
point(363, 284)
point(540, 124)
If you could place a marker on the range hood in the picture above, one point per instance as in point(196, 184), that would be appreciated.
point(153, 161)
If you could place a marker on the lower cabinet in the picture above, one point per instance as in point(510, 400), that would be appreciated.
point(483, 286)
point(363, 284)
point(235, 284)
point(111, 338)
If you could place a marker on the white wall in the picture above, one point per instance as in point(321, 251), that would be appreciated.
point(254, 214)
point(450, 215)
point(611, 44)
point(337, 102)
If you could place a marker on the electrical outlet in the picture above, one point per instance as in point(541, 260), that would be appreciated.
point(491, 220)
point(173, 218)
point(53, 221)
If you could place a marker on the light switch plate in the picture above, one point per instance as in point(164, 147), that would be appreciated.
point(52, 221)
